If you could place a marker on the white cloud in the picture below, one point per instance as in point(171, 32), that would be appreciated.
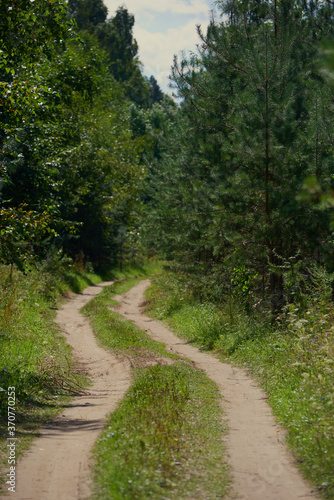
point(157, 50)
point(164, 28)
point(176, 6)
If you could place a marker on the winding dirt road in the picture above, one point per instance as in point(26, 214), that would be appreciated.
point(57, 465)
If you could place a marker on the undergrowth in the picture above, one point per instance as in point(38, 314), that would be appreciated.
point(293, 360)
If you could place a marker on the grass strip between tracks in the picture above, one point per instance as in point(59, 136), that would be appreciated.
point(165, 440)
point(116, 333)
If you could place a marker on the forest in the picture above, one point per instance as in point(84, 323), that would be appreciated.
point(228, 180)
point(233, 183)
point(77, 117)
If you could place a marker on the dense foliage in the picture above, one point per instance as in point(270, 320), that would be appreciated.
point(71, 157)
point(255, 124)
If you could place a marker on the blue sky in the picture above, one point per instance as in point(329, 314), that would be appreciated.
point(164, 28)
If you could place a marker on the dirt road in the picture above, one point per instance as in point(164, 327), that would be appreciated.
point(261, 466)
point(57, 465)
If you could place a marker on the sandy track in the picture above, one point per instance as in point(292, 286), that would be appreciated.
point(261, 466)
point(57, 465)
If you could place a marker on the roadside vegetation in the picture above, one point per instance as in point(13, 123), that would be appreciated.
point(34, 356)
point(293, 359)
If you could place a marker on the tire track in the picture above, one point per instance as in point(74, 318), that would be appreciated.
point(57, 466)
point(261, 466)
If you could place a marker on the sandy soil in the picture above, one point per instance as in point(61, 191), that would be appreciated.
point(57, 465)
point(261, 466)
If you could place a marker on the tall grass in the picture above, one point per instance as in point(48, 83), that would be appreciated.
point(293, 361)
point(34, 356)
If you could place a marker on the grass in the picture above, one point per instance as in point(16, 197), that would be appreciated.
point(76, 281)
point(116, 333)
point(293, 361)
point(34, 356)
point(165, 439)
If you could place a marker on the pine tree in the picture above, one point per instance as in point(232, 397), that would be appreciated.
point(251, 100)
point(116, 37)
point(156, 94)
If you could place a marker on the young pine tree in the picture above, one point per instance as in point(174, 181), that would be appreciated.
point(253, 100)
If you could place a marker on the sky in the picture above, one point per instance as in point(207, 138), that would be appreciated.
point(164, 28)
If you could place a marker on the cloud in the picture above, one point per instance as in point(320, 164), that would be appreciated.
point(157, 50)
point(197, 7)
point(164, 28)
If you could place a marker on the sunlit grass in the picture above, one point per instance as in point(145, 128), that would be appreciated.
point(165, 439)
point(293, 361)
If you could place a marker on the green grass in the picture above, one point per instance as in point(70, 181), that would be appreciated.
point(165, 439)
point(76, 281)
point(34, 356)
point(116, 333)
point(293, 362)
point(145, 269)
